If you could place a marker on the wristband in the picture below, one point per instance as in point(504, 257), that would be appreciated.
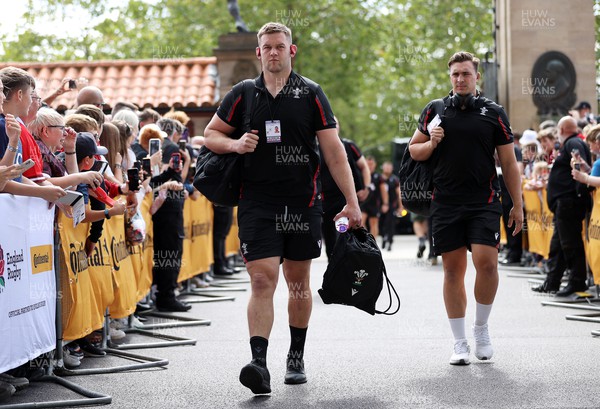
point(12, 149)
point(106, 214)
point(70, 153)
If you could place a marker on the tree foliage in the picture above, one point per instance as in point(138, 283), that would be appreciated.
point(378, 61)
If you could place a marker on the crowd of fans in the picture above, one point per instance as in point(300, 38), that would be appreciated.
point(108, 160)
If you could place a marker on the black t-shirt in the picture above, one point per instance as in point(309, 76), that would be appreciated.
point(560, 182)
point(392, 184)
point(331, 192)
point(465, 171)
point(285, 169)
point(374, 198)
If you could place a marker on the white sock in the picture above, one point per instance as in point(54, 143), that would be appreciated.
point(482, 313)
point(457, 325)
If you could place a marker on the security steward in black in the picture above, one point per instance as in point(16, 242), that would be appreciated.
point(569, 200)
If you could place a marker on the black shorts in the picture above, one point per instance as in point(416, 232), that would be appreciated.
point(267, 230)
point(456, 226)
point(370, 207)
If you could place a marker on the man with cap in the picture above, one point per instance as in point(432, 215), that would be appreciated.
point(584, 109)
point(85, 149)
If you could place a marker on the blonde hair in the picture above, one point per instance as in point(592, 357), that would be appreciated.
point(44, 117)
point(272, 27)
point(593, 134)
point(82, 123)
point(538, 167)
point(178, 115)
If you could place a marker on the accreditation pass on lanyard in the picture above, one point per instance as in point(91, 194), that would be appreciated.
point(273, 130)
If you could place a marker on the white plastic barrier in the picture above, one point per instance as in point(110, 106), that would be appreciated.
point(27, 280)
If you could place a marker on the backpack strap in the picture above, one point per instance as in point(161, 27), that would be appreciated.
point(248, 90)
point(249, 87)
point(390, 288)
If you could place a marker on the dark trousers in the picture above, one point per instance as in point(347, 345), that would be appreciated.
point(388, 224)
point(222, 220)
point(168, 249)
point(566, 245)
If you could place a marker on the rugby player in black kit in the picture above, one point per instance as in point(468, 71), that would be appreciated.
point(279, 214)
point(462, 134)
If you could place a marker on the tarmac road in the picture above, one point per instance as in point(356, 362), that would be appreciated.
point(354, 360)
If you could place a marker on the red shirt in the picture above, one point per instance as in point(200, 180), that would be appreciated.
point(31, 150)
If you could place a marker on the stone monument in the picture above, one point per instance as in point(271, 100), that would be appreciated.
point(546, 58)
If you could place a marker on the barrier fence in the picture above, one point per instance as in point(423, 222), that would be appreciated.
point(115, 276)
point(540, 228)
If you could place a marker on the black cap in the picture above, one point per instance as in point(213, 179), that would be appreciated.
point(583, 105)
point(85, 145)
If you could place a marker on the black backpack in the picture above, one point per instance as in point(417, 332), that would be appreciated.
point(219, 176)
point(416, 177)
point(356, 273)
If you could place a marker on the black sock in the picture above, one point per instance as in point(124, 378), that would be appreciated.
point(298, 336)
point(259, 345)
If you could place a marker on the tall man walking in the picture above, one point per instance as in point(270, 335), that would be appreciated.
point(465, 209)
point(279, 213)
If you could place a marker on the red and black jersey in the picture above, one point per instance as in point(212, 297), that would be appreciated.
point(465, 171)
point(282, 170)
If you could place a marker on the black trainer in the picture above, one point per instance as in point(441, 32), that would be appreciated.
point(90, 349)
point(421, 250)
point(19, 383)
point(6, 391)
point(172, 305)
point(295, 374)
point(256, 376)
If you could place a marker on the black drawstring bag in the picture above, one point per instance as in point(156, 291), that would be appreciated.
point(356, 273)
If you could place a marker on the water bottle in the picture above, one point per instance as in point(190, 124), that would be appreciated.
point(341, 224)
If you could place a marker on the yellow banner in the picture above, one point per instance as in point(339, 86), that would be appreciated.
point(41, 259)
point(124, 280)
point(232, 244)
point(80, 312)
point(593, 247)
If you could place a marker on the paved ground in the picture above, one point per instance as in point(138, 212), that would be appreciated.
point(355, 360)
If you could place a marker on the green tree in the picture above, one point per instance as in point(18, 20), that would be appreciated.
point(378, 61)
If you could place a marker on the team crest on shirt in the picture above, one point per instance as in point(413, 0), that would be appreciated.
point(297, 91)
point(483, 111)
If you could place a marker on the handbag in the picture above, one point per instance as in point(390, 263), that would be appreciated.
point(416, 178)
point(219, 176)
point(356, 273)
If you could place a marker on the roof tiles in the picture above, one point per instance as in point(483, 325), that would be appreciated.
point(158, 83)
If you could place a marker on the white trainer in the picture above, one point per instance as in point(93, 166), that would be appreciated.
point(114, 332)
point(483, 345)
point(461, 353)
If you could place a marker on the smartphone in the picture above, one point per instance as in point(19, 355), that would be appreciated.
point(72, 84)
point(22, 167)
point(146, 166)
point(99, 166)
point(138, 165)
point(182, 145)
point(154, 145)
point(191, 174)
point(133, 174)
point(176, 161)
point(577, 166)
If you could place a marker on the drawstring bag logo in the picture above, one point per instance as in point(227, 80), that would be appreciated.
point(356, 274)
